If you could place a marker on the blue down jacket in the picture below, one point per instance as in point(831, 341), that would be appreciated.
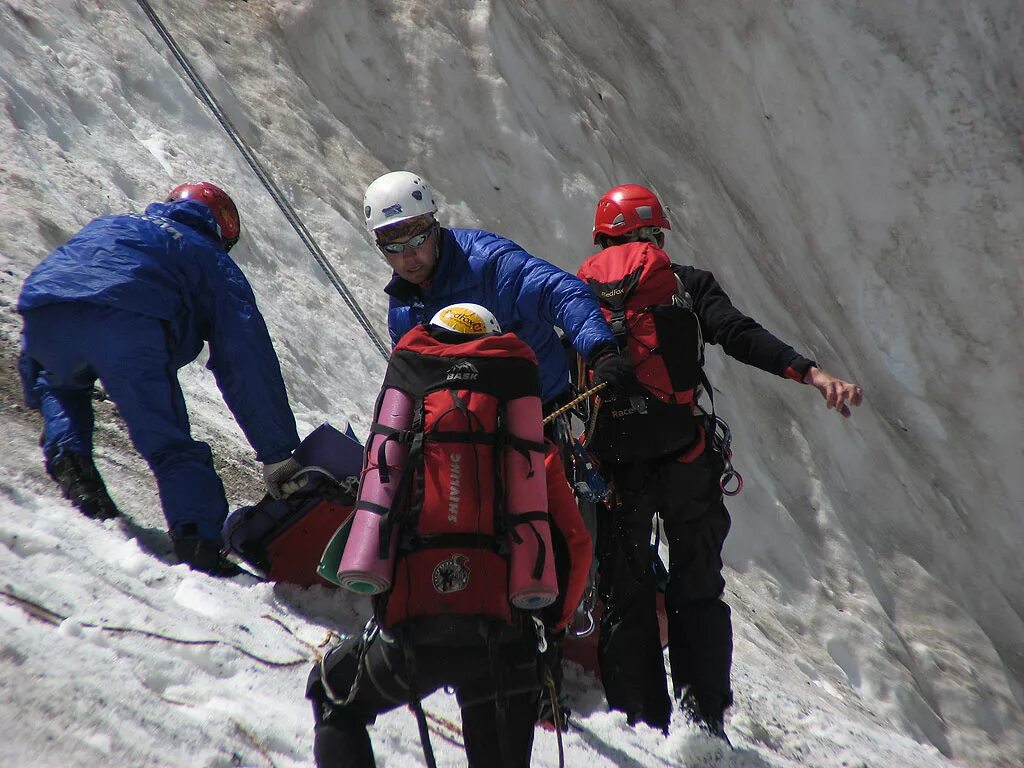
point(527, 295)
point(169, 264)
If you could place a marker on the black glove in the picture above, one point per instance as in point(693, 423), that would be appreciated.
point(615, 370)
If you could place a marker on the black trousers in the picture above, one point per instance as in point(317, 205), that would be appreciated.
point(689, 501)
point(341, 739)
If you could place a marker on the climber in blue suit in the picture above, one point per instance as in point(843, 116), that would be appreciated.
point(129, 300)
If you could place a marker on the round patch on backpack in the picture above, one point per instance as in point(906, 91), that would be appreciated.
point(452, 575)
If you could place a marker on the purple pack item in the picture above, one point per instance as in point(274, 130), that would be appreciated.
point(283, 539)
point(338, 454)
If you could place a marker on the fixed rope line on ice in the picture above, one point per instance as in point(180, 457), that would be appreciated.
point(207, 97)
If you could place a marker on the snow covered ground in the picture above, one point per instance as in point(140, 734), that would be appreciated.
point(852, 172)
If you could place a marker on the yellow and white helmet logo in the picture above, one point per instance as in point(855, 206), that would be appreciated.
point(471, 319)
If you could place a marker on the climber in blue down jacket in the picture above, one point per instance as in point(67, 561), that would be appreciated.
point(436, 266)
point(129, 300)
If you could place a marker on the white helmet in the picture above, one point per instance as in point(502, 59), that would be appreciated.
point(395, 197)
point(470, 319)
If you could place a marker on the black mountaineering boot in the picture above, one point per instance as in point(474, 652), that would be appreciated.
point(200, 554)
point(706, 718)
point(81, 484)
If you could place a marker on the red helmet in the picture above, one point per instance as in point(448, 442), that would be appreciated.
point(218, 201)
point(627, 207)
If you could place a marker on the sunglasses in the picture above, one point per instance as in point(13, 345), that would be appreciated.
point(645, 233)
point(413, 242)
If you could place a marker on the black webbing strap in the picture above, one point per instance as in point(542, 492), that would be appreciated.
point(481, 438)
point(390, 433)
point(707, 388)
point(542, 554)
point(453, 541)
point(529, 518)
point(421, 721)
point(393, 516)
point(414, 700)
point(500, 695)
point(526, 517)
point(501, 525)
point(618, 325)
point(525, 448)
point(369, 506)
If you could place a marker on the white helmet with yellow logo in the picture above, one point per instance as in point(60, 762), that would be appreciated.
point(470, 319)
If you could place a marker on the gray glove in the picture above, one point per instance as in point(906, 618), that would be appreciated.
point(277, 475)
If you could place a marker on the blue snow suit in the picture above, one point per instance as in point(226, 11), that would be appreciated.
point(527, 295)
point(129, 300)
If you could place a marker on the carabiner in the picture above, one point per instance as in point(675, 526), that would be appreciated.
point(586, 631)
point(542, 640)
point(727, 477)
point(721, 441)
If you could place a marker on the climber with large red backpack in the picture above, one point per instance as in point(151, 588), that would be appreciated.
point(665, 454)
point(459, 508)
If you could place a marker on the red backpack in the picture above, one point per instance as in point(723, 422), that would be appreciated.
point(652, 317)
point(470, 505)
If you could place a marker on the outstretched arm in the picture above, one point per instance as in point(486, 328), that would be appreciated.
point(535, 289)
point(246, 367)
point(838, 394)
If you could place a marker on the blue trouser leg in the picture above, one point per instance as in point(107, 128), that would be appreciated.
point(28, 370)
point(62, 386)
point(145, 389)
point(67, 417)
point(130, 354)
